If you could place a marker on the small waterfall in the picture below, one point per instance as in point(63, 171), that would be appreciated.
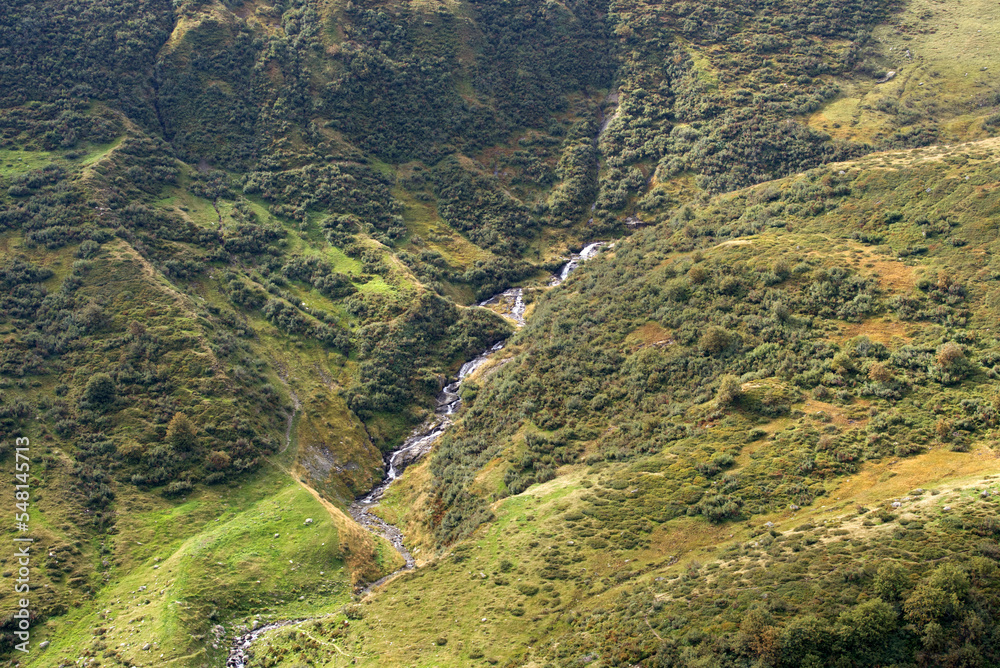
point(415, 446)
point(588, 252)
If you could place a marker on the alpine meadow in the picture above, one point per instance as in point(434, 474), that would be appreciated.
point(516, 333)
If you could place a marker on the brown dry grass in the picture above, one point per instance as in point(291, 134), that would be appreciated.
point(650, 334)
point(895, 477)
point(683, 536)
point(405, 503)
point(837, 413)
point(893, 275)
point(876, 329)
point(880, 482)
point(489, 477)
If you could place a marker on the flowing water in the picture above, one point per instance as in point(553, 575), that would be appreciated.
point(238, 653)
point(412, 449)
point(589, 251)
point(417, 445)
point(511, 303)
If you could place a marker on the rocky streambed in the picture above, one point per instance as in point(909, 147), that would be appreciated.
point(412, 449)
point(511, 303)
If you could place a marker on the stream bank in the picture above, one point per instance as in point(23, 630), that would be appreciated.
point(416, 446)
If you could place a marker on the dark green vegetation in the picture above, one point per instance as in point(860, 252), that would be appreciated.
point(238, 241)
point(727, 316)
point(742, 437)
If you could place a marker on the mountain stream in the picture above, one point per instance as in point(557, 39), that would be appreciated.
point(511, 304)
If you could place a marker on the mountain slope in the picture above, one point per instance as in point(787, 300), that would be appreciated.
point(764, 433)
point(241, 241)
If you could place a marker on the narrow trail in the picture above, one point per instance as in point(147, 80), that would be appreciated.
point(291, 418)
point(296, 405)
point(413, 448)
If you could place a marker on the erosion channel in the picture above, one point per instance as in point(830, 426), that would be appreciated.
point(413, 448)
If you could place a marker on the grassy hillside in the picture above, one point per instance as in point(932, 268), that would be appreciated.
point(162, 334)
point(761, 434)
point(175, 573)
point(239, 241)
point(941, 57)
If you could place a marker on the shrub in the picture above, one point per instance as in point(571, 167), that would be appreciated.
point(527, 589)
point(757, 637)
point(218, 460)
point(353, 611)
point(714, 340)
point(178, 487)
point(842, 363)
point(944, 428)
point(950, 356)
point(100, 390)
point(866, 627)
point(88, 248)
point(879, 373)
point(890, 581)
point(181, 432)
point(939, 597)
point(729, 390)
point(804, 637)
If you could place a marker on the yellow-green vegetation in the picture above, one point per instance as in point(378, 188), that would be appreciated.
point(778, 420)
point(427, 229)
point(493, 600)
point(18, 162)
point(167, 340)
point(174, 572)
point(238, 245)
point(941, 57)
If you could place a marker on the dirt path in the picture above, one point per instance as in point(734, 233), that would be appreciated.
point(297, 406)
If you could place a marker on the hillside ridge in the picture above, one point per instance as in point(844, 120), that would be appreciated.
point(245, 243)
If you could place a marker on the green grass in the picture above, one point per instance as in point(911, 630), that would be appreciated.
point(703, 68)
point(200, 558)
point(19, 162)
point(507, 615)
point(341, 261)
point(551, 574)
point(97, 151)
point(953, 53)
point(212, 559)
point(531, 586)
point(180, 201)
point(422, 219)
point(376, 286)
